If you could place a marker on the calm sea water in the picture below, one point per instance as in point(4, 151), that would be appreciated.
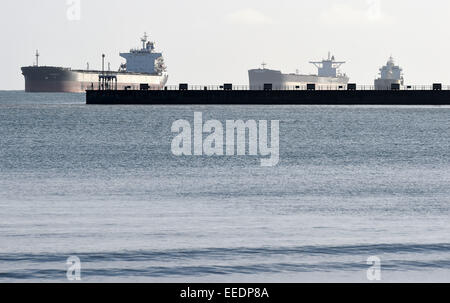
point(101, 183)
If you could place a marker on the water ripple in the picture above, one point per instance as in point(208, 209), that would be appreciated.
point(221, 253)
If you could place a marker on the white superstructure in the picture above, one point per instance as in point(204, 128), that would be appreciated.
point(389, 74)
point(328, 67)
point(144, 60)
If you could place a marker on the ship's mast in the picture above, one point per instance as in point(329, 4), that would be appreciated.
point(37, 58)
point(103, 64)
point(144, 40)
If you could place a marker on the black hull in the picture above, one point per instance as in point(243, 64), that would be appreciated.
point(220, 97)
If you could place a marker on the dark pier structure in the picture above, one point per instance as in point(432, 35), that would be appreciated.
point(229, 95)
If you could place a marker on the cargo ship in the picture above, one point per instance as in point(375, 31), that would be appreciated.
point(328, 77)
point(144, 66)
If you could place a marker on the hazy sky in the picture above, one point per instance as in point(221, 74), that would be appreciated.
point(212, 42)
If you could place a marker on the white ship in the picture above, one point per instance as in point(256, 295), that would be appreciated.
point(143, 66)
point(328, 77)
point(389, 74)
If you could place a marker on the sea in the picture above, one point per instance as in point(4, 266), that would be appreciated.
point(360, 194)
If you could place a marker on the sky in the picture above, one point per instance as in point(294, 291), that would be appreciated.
point(208, 42)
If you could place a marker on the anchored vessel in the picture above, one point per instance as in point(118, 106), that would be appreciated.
point(143, 66)
point(328, 77)
point(391, 75)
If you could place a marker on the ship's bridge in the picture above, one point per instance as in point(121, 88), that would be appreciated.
point(144, 60)
point(329, 67)
point(391, 71)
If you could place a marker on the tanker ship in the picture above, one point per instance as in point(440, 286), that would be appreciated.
point(144, 66)
point(328, 77)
